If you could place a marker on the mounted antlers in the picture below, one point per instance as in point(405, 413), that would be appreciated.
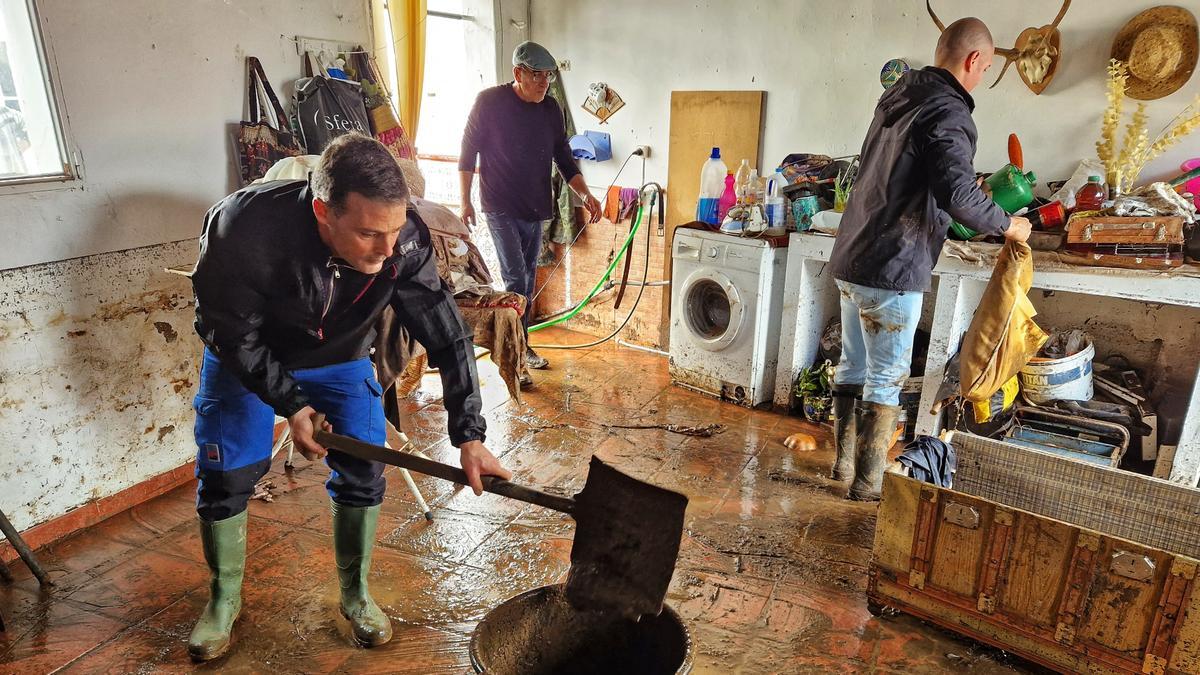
point(1036, 52)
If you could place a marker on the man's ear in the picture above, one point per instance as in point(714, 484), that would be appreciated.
point(321, 211)
point(973, 60)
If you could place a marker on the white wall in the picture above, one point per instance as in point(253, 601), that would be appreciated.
point(819, 62)
point(150, 89)
point(512, 28)
point(97, 354)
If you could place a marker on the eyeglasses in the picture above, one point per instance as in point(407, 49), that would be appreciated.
point(541, 75)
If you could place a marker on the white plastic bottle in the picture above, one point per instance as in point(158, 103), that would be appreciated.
point(712, 184)
point(776, 204)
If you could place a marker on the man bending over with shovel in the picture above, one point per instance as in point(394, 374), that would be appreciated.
point(291, 279)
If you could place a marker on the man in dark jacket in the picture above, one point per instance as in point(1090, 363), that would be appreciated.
point(290, 282)
point(916, 175)
point(517, 133)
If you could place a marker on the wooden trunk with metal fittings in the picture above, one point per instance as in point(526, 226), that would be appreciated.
point(1075, 566)
point(1129, 242)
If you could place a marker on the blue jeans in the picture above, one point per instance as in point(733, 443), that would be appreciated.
point(878, 327)
point(234, 430)
point(518, 243)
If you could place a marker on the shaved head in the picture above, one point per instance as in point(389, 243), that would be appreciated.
point(960, 39)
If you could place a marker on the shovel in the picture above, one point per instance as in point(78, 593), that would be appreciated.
point(627, 531)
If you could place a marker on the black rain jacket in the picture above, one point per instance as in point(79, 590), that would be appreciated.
point(917, 173)
point(272, 298)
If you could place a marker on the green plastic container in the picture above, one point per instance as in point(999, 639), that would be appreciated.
point(1009, 188)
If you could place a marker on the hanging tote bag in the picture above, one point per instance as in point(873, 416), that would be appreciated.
point(385, 123)
point(328, 107)
point(263, 138)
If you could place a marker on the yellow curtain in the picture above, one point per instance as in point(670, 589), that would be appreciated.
point(406, 19)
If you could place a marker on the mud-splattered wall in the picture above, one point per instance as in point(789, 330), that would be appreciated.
point(98, 363)
point(98, 358)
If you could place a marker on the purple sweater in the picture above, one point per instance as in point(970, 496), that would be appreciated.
point(516, 143)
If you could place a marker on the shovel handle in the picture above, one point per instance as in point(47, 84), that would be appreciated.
point(376, 453)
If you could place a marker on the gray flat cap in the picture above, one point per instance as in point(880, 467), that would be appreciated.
point(534, 57)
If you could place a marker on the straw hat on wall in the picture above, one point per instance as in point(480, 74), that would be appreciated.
point(1159, 46)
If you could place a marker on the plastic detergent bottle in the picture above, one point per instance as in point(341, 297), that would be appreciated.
point(776, 206)
point(728, 197)
point(1091, 196)
point(741, 181)
point(712, 185)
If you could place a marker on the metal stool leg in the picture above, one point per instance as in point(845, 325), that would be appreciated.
point(285, 438)
point(14, 538)
point(408, 479)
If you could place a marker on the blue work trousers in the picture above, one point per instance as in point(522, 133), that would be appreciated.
point(234, 434)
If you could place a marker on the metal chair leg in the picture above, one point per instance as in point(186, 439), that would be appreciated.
point(285, 438)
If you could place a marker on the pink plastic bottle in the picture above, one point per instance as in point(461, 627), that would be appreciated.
point(728, 198)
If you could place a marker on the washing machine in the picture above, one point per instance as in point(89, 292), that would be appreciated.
point(726, 305)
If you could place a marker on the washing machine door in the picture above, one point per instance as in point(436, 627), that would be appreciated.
point(712, 309)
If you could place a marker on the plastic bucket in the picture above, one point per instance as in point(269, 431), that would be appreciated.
point(1066, 379)
point(539, 633)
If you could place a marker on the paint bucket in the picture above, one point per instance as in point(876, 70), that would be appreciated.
point(538, 632)
point(1066, 379)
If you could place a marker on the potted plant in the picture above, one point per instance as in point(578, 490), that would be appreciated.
point(814, 392)
point(841, 189)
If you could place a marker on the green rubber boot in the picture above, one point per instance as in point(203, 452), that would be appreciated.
point(876, 427)
point(225, 552)
point(845, 430)
point(353, 538)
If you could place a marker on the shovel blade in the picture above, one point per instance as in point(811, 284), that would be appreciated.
point(626, 544)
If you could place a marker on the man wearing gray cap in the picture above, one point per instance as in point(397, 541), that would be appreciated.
point(517, 133)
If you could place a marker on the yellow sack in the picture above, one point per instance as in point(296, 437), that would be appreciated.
point(1002, 337)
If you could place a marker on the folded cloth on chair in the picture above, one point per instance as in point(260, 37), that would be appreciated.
point(495, 320)
point(458, 260)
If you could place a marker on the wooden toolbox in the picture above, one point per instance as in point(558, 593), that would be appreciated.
point(1076, 566)
point(1132, 242)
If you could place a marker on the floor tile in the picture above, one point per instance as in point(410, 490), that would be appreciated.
point(53, 638)
point(141, 586)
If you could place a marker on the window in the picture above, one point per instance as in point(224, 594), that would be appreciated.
point(449, 86)
point(459, 63)
point(32, 143)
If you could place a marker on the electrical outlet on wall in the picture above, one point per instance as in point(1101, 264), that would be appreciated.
point(643, 150)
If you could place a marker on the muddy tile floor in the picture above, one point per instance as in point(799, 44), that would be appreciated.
point(770, 578)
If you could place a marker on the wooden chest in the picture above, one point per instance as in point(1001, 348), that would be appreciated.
point(1132, 242)
point(1077, 566)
